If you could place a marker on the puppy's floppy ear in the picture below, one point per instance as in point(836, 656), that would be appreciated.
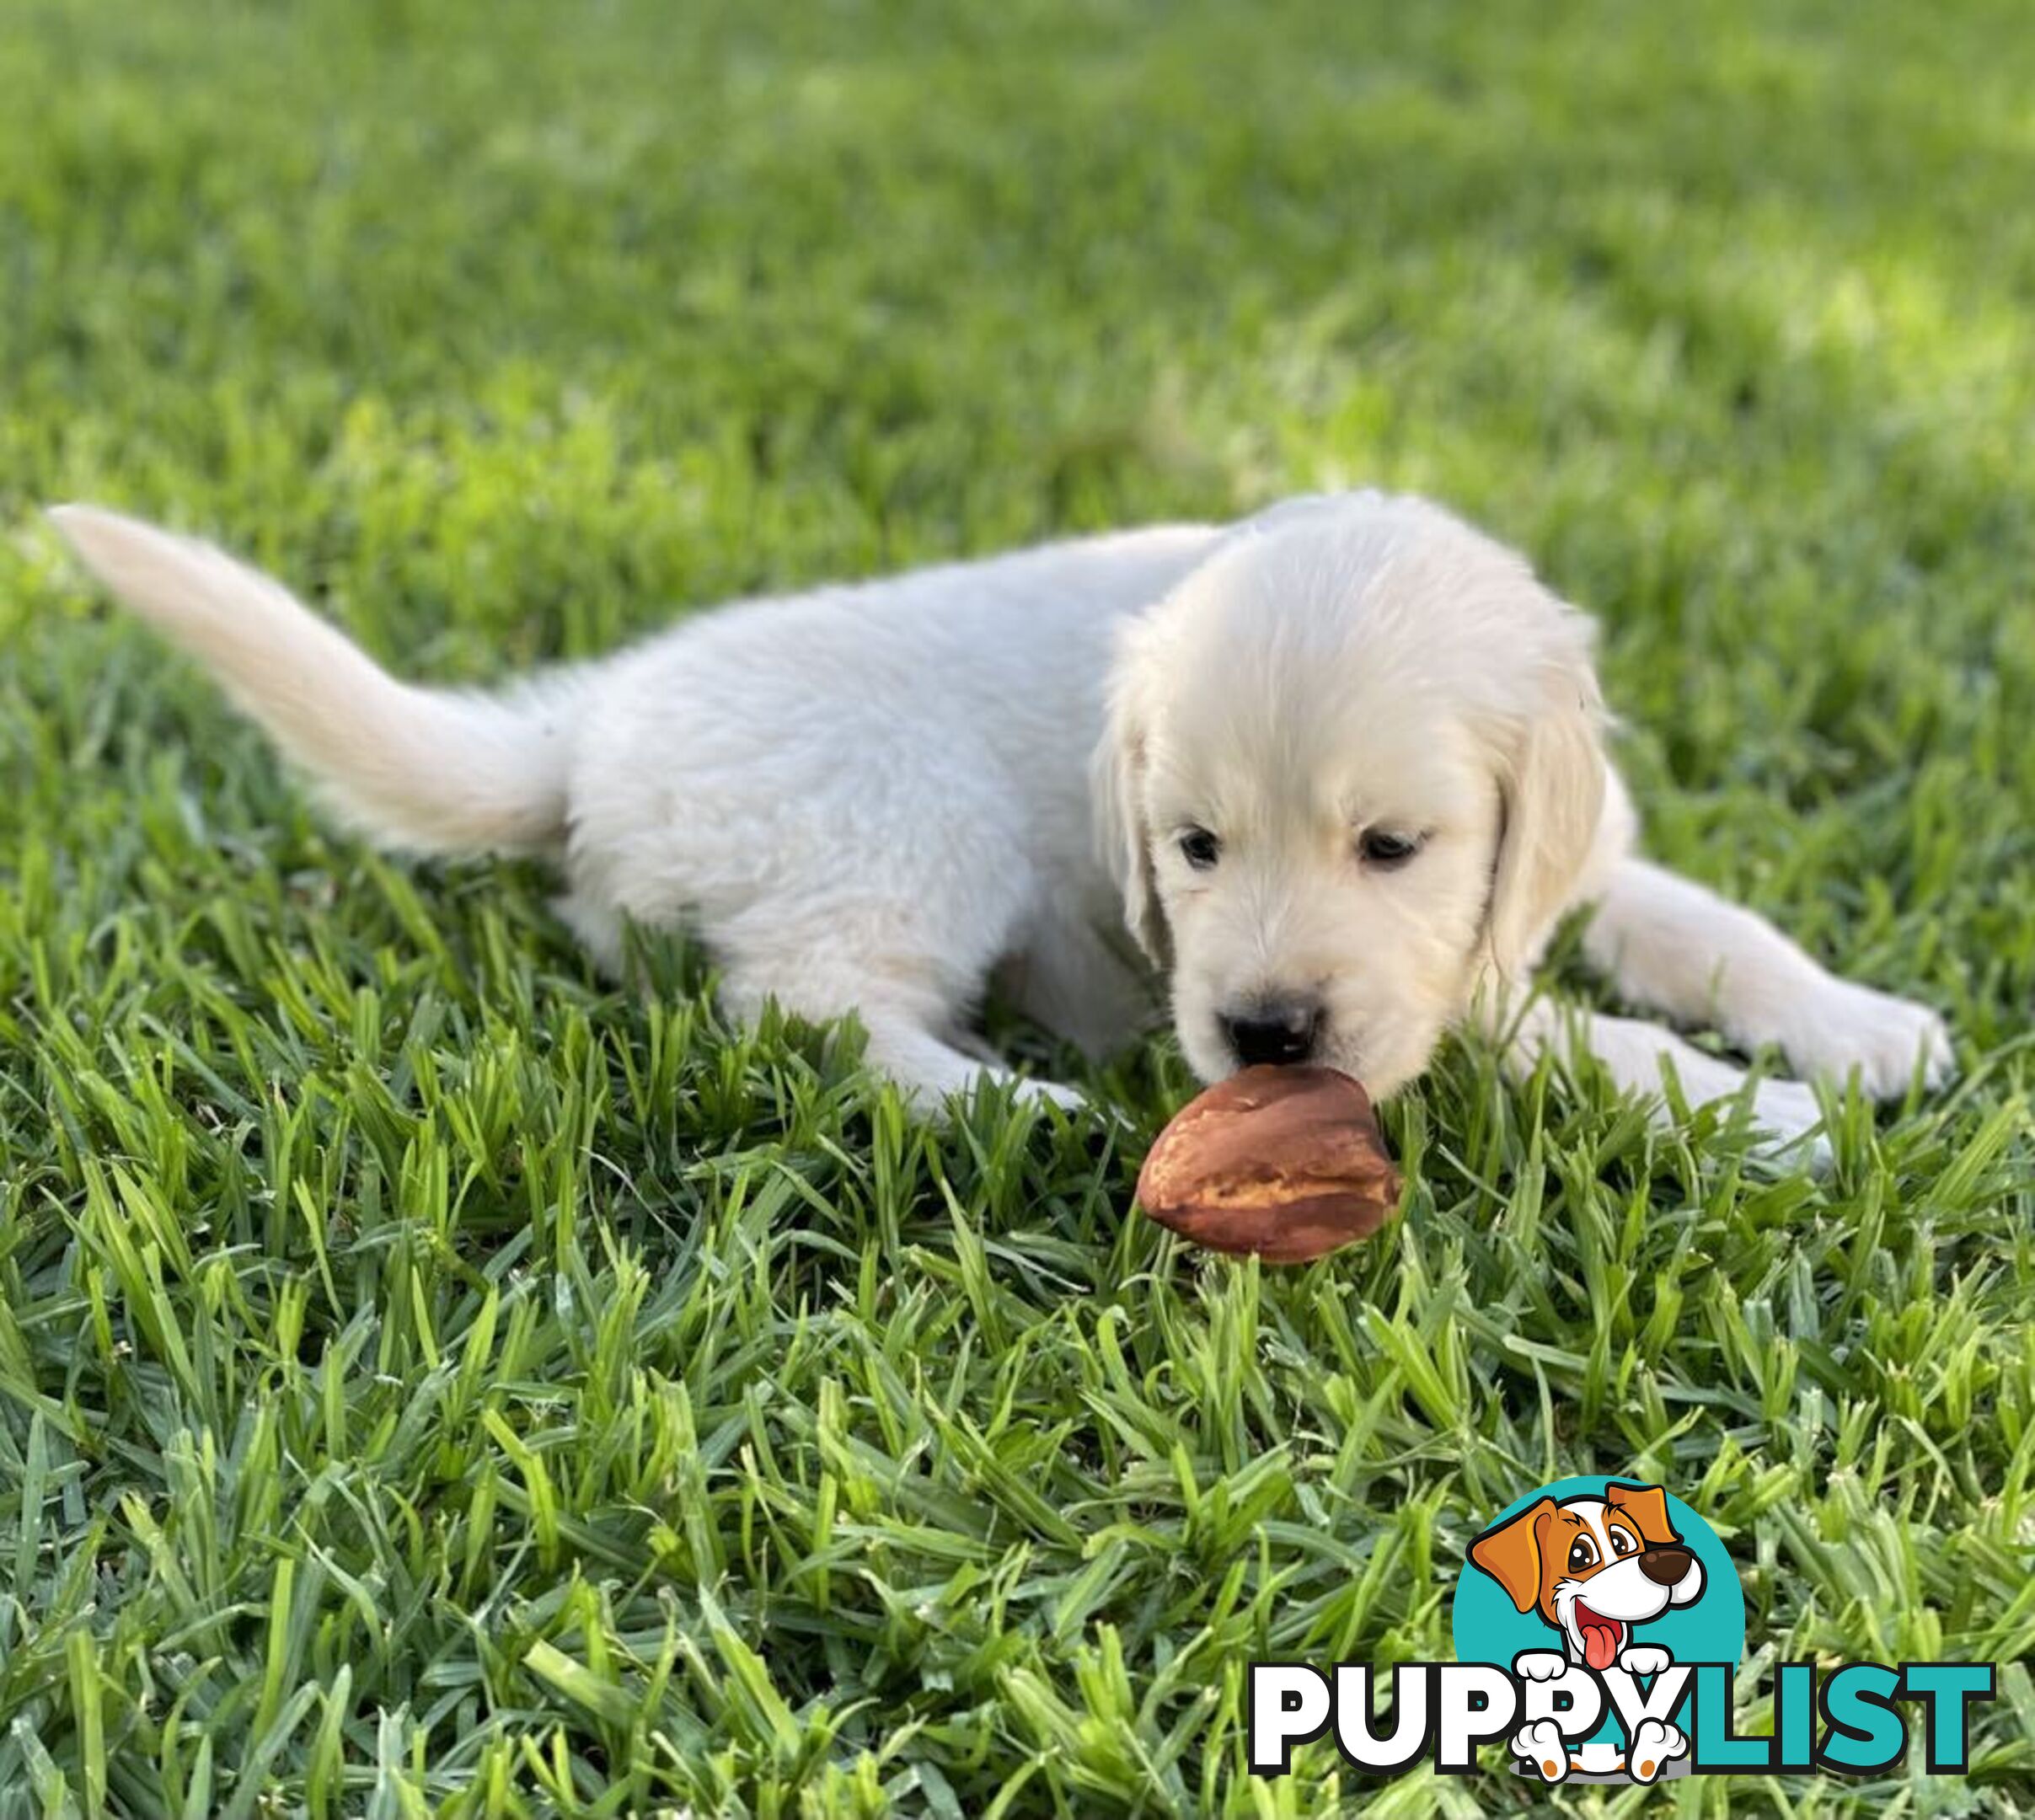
point(1510, 1553)
point(1117, 775)
point(1647, 1505)
point(1551, 776)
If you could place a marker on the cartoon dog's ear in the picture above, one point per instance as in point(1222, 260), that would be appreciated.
point(1551, 775)
point(1511, 1554)
point(1117, 786)
point(1647, 1505)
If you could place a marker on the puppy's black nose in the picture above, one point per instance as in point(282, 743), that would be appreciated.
point(1278, 1031)
point(1665, 1567)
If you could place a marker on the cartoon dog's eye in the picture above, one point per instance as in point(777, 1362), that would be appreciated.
point(1385, 848)
point(1199, 848)
point(1622, 1543)
point(1582, 1554)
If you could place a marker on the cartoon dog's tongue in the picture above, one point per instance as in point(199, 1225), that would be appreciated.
point(1599, 1638)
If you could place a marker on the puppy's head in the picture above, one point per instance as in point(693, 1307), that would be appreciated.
point(1351, 761)
point(1593, 1567)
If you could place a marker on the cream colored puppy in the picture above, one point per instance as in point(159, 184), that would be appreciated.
point(1340, 767)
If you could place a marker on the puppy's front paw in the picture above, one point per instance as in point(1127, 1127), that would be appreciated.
point(1885, 1039)
point(1654, 1747)
point(1787, 1111)
point(1540, 1665)
point(1644, 1659)
point(1541, 1744)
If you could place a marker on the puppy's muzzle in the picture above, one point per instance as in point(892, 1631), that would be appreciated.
point(1666, 1566)
point(1284, 1031)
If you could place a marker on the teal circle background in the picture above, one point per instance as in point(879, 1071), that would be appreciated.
point(1488, 1630)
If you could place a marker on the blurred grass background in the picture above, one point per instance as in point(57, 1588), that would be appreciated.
point(432, 1382)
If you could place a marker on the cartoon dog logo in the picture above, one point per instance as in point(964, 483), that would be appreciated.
point(1594, 1568)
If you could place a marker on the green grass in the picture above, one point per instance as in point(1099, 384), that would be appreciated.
point(432, 1381)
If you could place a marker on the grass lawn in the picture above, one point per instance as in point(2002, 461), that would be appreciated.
point(432, 1381)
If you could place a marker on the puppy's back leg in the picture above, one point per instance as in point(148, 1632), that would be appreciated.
point(930, 1071)
point(1072, 979)
point(1669, 943)
point(903, 1021)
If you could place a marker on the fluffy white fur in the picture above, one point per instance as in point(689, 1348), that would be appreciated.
point(871, 798)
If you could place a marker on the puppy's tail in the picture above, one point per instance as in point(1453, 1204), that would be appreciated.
point(426, 769)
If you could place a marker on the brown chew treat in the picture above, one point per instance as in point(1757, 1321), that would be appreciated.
point(1286, 1162)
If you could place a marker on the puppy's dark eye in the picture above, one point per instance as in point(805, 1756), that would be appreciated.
point(1382, 846)
point(1199, 848)
point(1622, 1543)
point(1582, 1554)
